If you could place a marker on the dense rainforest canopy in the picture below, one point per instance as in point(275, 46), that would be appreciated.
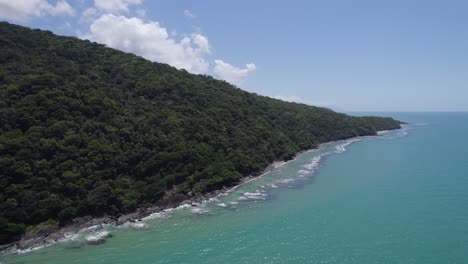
point(89, 130)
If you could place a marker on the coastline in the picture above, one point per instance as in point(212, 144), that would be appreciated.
point(54, 234)
point(50, 236)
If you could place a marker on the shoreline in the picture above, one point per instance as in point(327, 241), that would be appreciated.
point(55, 234)
point(34, 241)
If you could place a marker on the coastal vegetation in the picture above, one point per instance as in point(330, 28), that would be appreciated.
point(89, 130)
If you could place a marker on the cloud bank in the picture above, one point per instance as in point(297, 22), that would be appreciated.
point(22, 10)
point(232, 74)
point(151, 41)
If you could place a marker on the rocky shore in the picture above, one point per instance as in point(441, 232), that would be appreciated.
point(54, 233)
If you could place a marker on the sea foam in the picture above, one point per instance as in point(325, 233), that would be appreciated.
point(199, 210)
point(99, 236)
point(135, 225)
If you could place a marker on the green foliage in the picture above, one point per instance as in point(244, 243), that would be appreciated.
point(88, 130)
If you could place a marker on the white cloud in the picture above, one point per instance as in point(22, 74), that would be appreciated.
point(232, 73)
point(189, 14)
point(202, 43)
point(23, 10)
point(151, 41)
point(115, 6)
point(110, 7)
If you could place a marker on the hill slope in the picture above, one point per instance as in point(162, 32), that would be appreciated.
point(88, 130)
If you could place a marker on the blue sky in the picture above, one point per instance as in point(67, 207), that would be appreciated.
point(347, 55)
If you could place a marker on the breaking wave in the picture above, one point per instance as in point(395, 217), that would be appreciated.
point(135, 225)
point(99, 236)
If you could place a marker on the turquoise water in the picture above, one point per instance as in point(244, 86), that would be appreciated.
point(398, 198)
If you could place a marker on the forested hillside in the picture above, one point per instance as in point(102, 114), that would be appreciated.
point(89, 130)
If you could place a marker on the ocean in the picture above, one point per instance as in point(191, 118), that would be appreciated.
point(401, 197)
